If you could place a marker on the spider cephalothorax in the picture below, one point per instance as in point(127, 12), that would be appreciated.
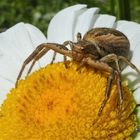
point(83, 49)
point(99, 48)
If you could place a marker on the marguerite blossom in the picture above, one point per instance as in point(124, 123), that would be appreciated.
point(56, 103)
point(59, 103)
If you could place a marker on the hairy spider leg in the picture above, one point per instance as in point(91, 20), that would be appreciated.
point(65, 62)
point(107, 92)
point(105, 68)
point(42, 53)
point(98, 64)
point(31, 56)
point(119, 85)
point(56, 47)
point(70, 43)
point(82, 63)
point(112, 57)
point(115, 58)
point(36, 58)
point(53, 58)
point(54, 54)
point(129, 63)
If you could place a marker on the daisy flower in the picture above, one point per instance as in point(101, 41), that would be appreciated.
point(55, 103)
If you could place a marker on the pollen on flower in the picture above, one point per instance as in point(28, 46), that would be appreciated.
point(56, 103)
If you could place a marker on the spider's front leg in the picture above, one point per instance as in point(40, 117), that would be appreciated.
point(36, 58)
point(107, 92)
point(53, 58)
point(28, 60)
point(66, 43)
point(40, 51)
point(105, 68)
point(55, 53)
point(115, 58)
point(114, 73)
point(44, 51)
point(70, 43)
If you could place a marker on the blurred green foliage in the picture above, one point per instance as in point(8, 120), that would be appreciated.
point(40, 12)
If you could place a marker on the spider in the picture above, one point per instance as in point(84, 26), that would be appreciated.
point(99, 48)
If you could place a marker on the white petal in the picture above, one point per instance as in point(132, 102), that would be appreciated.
point(138, 112)
point(16, 44)
point(8, 74)
point(36, 36)
point(132, 31)
point(8, 48)
point(61, 27)
point(20, 40)
point(85, 21)
point(8, 67)
point(136, 77)
point(137, 136)
point(136, 95)
point(104, 20)
point(4, 89)
point(129, 28)
point(134, 40)
point(132, 77)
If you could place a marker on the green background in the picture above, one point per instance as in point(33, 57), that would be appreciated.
point(40, 12)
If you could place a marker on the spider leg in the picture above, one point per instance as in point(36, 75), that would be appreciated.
point(70, 43)
point(65, 62)
point(105, 68)
point(56, 47)
point(82, 63)
point(107, 92)
point(37, 57)
point(98, 64)
point(111, 57)
point(54, 56)
point(119, 85)
point(108, 58)
point(129, 63)
point(28, 60)
point(65, 44)
point(115, 58)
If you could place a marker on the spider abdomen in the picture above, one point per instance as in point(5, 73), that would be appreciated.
point(109, 41)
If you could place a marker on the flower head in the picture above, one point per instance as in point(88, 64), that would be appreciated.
point(64, 107)
point(59, 103)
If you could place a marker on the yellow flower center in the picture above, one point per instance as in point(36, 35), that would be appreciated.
point(56, 103)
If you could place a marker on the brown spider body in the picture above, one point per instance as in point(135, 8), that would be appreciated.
point(98, 48)
point(109, 41)
point(100, 42)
